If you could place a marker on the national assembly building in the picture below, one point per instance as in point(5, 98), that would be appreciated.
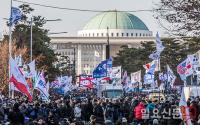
point(89, 46)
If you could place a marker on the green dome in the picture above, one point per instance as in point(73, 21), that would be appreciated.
point(115, 20)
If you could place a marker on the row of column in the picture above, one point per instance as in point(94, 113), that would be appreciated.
point(79, 59)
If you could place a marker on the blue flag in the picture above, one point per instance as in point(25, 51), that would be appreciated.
point(15, 16)
point(102, 69)
point(148, 78)
point(152, 69)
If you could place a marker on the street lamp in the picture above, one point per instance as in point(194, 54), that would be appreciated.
point(108, 45)
point(31, 39)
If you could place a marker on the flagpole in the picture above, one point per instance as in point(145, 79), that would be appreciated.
point(31, 41)
point(10, 46)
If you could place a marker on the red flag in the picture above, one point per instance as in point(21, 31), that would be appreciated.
point(19, 80)
point(86, 81)
point(21, 87)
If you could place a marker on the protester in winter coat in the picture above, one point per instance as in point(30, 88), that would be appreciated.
point(98, 112)
point(77, 111)
point(125, 109)
point(193, 111)
point(133, 105)
point(138, 111)
point(109, 112)
point(15, 116)
point(116, 112)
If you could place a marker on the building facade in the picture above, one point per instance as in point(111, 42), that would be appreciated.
point(89, 46)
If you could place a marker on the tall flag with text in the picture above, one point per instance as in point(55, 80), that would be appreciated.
point(42, 87)
point(116, 75)
point(136, 77)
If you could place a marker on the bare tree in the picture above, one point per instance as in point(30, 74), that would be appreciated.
point(183, 16)
point(4, 61)
point(4, 54)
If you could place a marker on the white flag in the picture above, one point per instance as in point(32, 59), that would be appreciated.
point(194, 59)
point(159, 46)
point(42, 87)
point(170, 76)
point(136, 77)
point(116, 75)
point(32, 68)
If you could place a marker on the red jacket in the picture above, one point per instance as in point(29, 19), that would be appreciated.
point(193, 112)
point(138, 111)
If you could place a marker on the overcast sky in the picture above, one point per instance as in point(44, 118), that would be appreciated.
point(72, 21)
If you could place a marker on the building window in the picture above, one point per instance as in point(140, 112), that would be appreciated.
point(131, 34)
point(143, 34)
point(112, 34)
point(97, 34)
point(89, 34)
point(93, 34)
point(136, 34)
point(86, 35)
point(126, 34)
point(122, 34)
point(83, 34)
point(101, 34)
point(117, 34)
point(140, 34)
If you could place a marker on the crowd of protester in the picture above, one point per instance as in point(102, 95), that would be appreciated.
point(130, 110)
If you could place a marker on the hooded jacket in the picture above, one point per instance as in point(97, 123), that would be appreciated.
point(138, 111)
